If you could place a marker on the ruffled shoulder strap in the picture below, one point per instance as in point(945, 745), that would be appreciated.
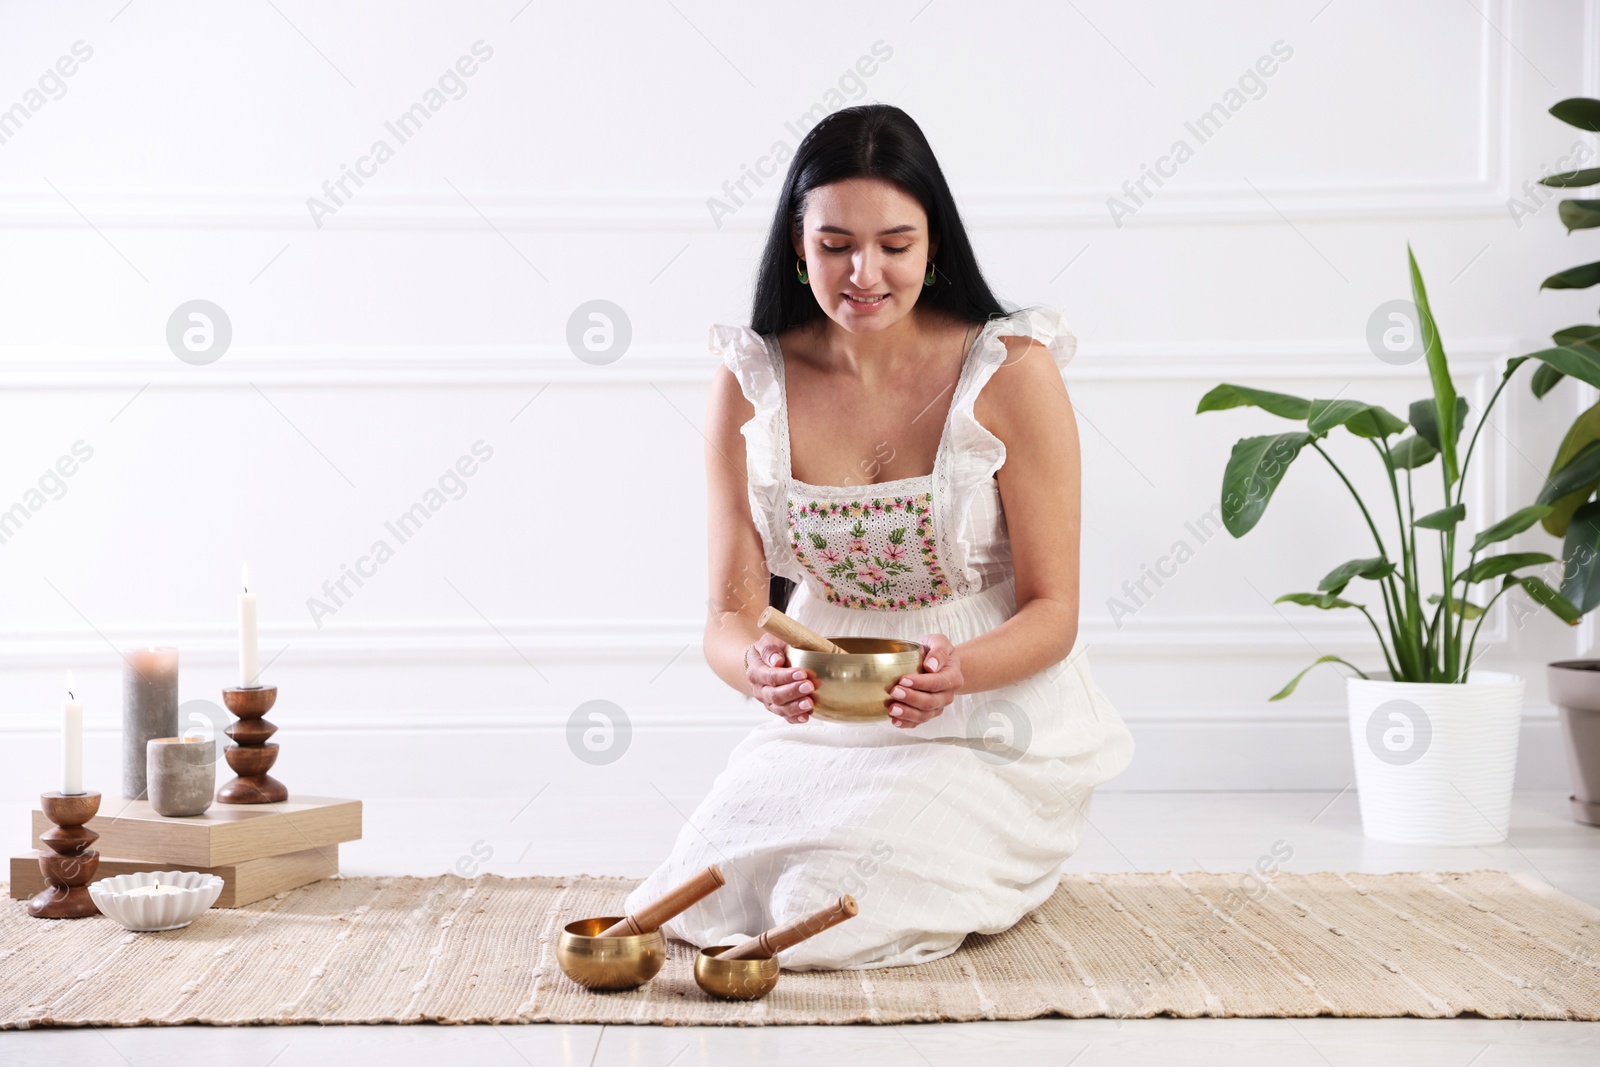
point(754, 361)
point(972, 454)
point(1046, 325)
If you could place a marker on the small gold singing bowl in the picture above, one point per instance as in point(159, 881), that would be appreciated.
point(734, 979)
point(855, 687)
point(609, 962)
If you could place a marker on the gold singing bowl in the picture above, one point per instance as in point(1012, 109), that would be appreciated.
point(734, 979)
point(855, 687)
point(609, 962)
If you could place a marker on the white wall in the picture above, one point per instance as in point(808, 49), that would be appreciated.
point(430, 310)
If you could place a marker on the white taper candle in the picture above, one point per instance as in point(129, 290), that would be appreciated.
point(249, 651)
point(71, 741)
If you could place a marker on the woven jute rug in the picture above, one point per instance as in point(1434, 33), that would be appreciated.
point(449, 949)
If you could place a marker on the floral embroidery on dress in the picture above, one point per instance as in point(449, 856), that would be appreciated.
point(871, 560)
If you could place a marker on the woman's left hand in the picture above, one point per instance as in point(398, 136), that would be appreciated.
point(920, 697)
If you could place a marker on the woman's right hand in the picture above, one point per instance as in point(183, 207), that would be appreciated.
point(782, 689)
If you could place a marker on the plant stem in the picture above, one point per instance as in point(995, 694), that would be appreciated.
point(1376, 536)
point(1416, 627)
point(1396, 634)
point(1453, 647)
point(1402, 613)
point(1394, 674)
point(1359, 503)
point(1479, 626)
point(1505, 380)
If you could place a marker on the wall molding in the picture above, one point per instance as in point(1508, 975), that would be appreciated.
point(493, 366)
point(682, 719)
point(1482, 195)
point(628, 643)
point(1215, 753)
point(685, 212)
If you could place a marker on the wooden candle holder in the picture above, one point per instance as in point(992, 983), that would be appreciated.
point(71, 864)
point(253, 756)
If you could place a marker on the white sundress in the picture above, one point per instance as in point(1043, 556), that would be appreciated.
point(958, 825)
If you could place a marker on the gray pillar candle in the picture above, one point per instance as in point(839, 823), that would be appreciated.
point(149, 709)
point(183, 775)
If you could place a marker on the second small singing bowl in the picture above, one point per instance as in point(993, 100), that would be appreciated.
point(609, 962)
point(734, 979)
point(854, 687)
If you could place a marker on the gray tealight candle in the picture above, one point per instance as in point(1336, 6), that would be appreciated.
point(149, 710)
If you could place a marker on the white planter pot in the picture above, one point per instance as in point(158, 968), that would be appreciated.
point(1435, 761)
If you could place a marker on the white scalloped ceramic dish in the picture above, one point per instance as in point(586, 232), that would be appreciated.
point(166, 911)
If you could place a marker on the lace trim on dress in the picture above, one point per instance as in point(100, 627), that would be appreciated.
point(746, 354)
point(970, 454)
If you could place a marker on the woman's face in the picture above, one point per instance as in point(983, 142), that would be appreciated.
point(866, 247)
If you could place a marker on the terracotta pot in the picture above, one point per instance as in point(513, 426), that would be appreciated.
point(1575, 688)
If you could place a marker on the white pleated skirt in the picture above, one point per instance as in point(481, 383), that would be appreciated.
point(957, 826)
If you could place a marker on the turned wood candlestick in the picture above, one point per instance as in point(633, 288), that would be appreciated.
point(769, 944)
point(652, 915)
point(793, 633)
point(253, 756)
point(71, 863)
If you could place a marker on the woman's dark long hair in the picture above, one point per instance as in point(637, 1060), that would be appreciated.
point(868, 141)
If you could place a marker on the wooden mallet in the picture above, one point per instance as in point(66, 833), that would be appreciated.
point(793, 633)
point(652, 915)
point(769, 944)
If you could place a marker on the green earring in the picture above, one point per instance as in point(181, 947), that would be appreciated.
point(800, 270)
point(927, 279)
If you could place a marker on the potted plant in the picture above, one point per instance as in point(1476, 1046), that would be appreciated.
point(1570, 492)
point(1434, 740)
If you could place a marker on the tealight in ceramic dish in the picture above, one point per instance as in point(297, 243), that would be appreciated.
point(156, 911)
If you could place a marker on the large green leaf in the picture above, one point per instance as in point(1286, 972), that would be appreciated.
point(1545, 378)
point(1579, 359)
point(1580, 474)
point(1579, 214)
point(1325, 601)
point(1580, 111)
point(1576, 334)
point(1495, 566)
point(1254, 470)
point(1286, 690)
point(1572, 178)
point(1408, 453)
point(1573, 277)
point(1361, 419)
point(1227, 396)
point(1580, 579)
point(1375, 568)
point(1510, 526)
point(1443, 519)
point(1444, 390)
point(1425, 419)
point(1585, 430)
point(1464, 608)
point(1540, 591)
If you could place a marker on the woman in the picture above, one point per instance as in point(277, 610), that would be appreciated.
point(910, 459)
